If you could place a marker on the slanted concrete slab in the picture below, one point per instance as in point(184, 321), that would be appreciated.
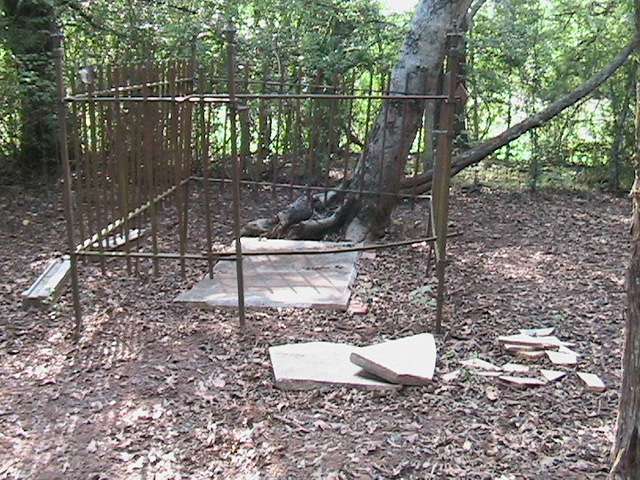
point(305, 366)
point(552, 375)
point(49, 285)
point(592, 382)
point(302, 281)
point(407, 361)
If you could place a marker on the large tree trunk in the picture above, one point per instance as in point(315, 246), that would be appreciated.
point(382, 165)
point(27, 37)
point(626, 449)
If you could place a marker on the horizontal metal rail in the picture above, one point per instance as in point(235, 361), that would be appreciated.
point(314, 188)
point(224, 98)
point(130, 216)
point(231, 256)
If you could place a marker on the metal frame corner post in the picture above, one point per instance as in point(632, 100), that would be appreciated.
point(230, 33)
point(442, 177)
point(63, 147)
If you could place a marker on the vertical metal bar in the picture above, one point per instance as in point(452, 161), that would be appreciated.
point(230, 36)
point(148, 155)
point(66, 166)
point(95, 172)
point(122, 167)
point(442, 182)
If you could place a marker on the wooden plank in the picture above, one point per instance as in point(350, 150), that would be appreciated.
point(592, 382)
point(49, 285)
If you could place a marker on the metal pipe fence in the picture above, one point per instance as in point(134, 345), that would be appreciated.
point(137, 139)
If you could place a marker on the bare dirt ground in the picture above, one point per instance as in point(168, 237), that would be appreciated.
point(158, 391)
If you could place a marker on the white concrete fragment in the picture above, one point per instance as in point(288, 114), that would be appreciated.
point(407, 361)
point(305, 366)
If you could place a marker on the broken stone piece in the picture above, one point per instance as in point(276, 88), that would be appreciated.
point(407, 361)
point(305, 366)
point(518, 348)
point(592, 382)
point(480, 364)
point(451, 376)
point(558, 358)
point(540, 342)
point(538, 332)
point(522, 382)
point(552, 375)
point(531, 355)
point(515, 367)
point(358, 307)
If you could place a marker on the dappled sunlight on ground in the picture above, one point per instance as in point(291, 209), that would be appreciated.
point(155, 390)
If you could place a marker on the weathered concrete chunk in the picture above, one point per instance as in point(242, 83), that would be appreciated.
point(49, 285)
point(538, 332)
point(592, 382)
point(558, 358)
point(541, 342)
point(522, 382)
point(302, 281)
point(305, 366)
point(407, 361)
point(515, 367)
point(552, 375)
point(479, 364)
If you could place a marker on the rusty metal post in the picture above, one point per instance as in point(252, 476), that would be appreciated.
point(66, 166)
point(442, 176)
point(233, 110)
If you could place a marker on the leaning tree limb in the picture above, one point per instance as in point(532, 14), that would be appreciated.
point(422, 183)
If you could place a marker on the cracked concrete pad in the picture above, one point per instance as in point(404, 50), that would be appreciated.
point(301, 281)
point(407, 361)
point(306, 366)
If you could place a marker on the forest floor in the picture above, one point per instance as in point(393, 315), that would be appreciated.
point(155, 390)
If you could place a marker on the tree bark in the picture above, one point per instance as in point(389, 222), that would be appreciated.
point(382, 165)
point(626, 449)
point(27, 36)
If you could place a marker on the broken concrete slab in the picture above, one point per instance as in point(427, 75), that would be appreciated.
point(522, 382)
point(538, 332)
point(479, 364)
point(306, 366)
point(515, 367)
point(114, 242)
point(451, 376)
point(527, 340)
point(518, 348)
point(48, 287)
point(531, 355)
point(296, 281)
point(558, 358)
point(407, 361)
point(592, 382)
point(552, 375)
point(358, 307)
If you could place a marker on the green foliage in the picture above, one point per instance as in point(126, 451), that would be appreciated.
point(522, 55)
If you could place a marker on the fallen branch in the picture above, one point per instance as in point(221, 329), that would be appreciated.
point(421, 183)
